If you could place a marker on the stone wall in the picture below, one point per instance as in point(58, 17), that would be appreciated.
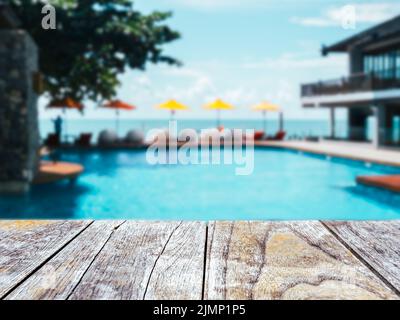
point(19, 138)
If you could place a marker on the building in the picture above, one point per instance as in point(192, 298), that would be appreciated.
point(19, 140)
point(370, 91)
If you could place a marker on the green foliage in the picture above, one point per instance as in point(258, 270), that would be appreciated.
point(95, 41)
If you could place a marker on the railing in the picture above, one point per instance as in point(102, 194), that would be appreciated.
point(355, 83)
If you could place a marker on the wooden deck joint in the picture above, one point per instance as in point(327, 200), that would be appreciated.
point(158, 257)
point(95, 257)
point(361, 259)
point(203, 285)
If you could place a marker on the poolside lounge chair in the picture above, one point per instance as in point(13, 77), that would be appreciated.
point(107, 138)
point(259, 135)
point(134, 137)
point(279, 136)
point(186, 135)
point(52, 140)
point(83, 140)
point(158, 136)
point(207, 135)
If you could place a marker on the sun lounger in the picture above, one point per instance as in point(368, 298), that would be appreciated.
point(107, 138)
point(279, 136)
point(134, 137)
point(259, 135)
point(83, 140)
point(52, 140)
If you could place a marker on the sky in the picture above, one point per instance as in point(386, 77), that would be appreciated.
point(244, 52)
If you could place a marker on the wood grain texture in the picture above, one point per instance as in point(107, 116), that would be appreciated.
point(284, 260)
point(60, 275)
point(178, 273)
point(26, 245)
point(148, 260)
point(377, 242)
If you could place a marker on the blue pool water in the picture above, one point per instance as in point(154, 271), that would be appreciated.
point(284, 185)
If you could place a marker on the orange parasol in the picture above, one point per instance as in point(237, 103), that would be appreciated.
point(118, 105)
point(64, 104)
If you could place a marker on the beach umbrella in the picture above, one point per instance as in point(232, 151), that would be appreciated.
point(118, 105)
point(265, 107)
point(66, 104)
point(219, 105)
point(172, 106)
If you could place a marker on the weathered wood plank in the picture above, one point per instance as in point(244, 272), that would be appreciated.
point(60, 275)
point(178, 273)
point(284, 260)
point(26, 245)
point(377, 242)
point(131, 264)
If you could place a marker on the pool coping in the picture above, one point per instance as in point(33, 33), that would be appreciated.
point(321, 148)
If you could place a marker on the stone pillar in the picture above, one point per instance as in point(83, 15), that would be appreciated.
point(19, 134)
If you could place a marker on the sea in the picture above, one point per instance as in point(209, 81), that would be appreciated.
point(293, 128)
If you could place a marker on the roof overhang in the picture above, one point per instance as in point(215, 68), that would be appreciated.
point(381, 32)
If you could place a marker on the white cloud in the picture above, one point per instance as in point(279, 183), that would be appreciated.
point(192, 91)
point(143, 80)
point(195, 84)
point(364, 13)
point(240, 96)
point(219, 4)
point(290, 61)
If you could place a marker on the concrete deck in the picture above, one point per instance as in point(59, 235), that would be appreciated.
point(352, 151)
point(199, 260)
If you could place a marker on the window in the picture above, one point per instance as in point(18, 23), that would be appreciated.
point(384, 66)
point(397, 55)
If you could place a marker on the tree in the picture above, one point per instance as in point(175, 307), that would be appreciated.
point(94, 41)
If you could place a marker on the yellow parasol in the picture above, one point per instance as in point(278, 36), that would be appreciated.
point(172, 106)
point(219, 105)
point(264, 107)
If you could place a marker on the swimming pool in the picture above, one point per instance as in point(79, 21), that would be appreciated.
point(285, 185)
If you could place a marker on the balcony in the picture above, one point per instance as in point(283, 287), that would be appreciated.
point(357, 83)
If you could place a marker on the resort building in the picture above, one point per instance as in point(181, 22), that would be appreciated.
point(371, 91)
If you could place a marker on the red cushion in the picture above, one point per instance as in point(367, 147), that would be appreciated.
point(280, 135)
point(258, 135)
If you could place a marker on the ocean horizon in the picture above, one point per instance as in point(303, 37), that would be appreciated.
point(294, 128)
